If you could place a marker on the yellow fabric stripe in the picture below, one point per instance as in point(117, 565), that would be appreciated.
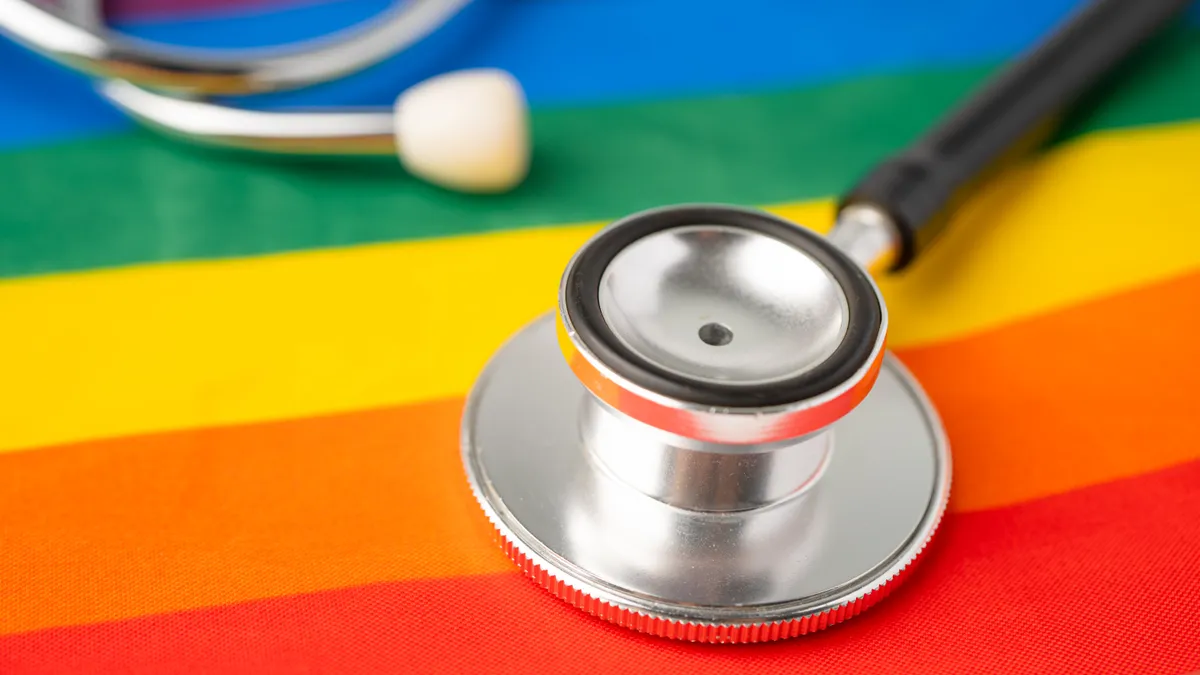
point(161, 347)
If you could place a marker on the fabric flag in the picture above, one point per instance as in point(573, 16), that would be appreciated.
point(232, 385)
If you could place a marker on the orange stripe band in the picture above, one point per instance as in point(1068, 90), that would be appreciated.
point(1075, 581)
point(125, 527)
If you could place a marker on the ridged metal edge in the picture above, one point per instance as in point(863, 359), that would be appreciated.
point(711, 633)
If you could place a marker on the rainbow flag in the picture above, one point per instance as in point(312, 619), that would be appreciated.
point(232, 386)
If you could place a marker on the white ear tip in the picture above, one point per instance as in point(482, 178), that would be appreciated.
point(467, 130)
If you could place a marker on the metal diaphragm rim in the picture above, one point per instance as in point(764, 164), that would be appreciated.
point(868, 519)
point(580, 305)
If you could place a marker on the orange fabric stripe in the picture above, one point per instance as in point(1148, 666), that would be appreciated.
point(125, 527)
point(1085, 395)
point(1070, 584)
point(131, 526)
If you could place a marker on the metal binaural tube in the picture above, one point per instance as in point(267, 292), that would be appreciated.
point(102, 53)
point(84, 13)
point(366, 132)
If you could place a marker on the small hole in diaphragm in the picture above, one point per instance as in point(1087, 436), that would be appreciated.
point(716, 334)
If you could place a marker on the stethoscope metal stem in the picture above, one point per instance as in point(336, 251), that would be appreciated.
point(867, 235)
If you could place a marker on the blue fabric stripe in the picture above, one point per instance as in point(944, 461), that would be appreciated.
point(580, 52)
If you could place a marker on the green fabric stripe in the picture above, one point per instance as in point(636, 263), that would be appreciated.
point(137, 198)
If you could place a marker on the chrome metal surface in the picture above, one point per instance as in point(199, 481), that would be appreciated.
point(867, 235)
point(86, 13)
point(366, 132)
point(104, 53)
point(667, 292)
point(714, 303)
point(577, 524)
point(696, 475)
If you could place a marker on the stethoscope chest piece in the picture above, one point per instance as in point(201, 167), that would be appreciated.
point(708, 440)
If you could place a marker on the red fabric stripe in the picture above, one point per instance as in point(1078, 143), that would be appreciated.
point(1071, 583)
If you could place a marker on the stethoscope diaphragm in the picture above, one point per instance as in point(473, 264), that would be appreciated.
point(634, 489)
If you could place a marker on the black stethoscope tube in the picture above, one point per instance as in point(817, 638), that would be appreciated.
point(1013, 113)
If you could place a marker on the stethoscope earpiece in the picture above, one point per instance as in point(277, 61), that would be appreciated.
point(465, 130)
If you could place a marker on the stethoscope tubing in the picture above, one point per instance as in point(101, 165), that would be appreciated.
point(102, 53)
point(915, 191)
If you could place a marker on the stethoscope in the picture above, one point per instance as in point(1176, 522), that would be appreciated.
point(466, 130)
point(708, 440)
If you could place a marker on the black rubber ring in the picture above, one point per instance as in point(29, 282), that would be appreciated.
point(582, 303)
